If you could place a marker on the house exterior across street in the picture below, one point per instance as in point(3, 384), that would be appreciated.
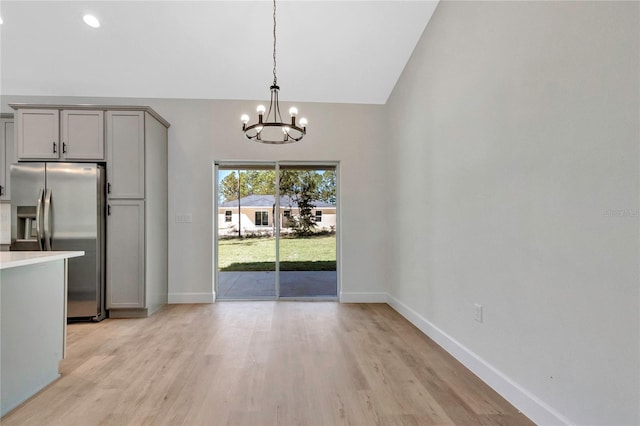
point(256, 214)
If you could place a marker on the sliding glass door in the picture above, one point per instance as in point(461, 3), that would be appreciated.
point(276, 231)
point(246, 232)
point(307, 244)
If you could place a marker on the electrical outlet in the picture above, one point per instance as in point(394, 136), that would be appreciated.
point(183, 218)
point(478, 312)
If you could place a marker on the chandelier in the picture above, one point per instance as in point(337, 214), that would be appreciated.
point(271, 129)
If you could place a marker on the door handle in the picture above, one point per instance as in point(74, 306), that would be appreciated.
point(108, 210)
point(39, 220)
point(64, 148)
point(47, 221)
point(108, 187)
point(55, 147)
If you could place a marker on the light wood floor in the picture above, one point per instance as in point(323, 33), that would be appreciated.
point(262, 363)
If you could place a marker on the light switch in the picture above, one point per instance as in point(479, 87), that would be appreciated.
point(183, 218)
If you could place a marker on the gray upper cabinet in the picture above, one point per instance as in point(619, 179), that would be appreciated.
point(38, 134)
point(8, 156)
point(52, 134)
point(83, 135)
point(126, 154)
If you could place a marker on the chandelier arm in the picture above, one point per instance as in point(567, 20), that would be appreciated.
point(277, 115)
point(271, 107)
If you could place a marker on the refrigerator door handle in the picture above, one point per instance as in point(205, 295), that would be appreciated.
point(47, 220)
point(39, 220)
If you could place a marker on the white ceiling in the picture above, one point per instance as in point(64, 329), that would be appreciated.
point(328, 51)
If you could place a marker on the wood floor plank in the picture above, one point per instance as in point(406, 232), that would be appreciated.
point(262, 363)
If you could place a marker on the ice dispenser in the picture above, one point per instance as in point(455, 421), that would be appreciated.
point(26, 229)
point(27, 225)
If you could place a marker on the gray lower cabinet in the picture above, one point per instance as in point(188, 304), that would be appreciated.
point(125, 251)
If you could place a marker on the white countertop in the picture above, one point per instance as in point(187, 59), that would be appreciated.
point(12, 259)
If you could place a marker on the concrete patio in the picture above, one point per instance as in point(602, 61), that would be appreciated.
point(262, 285)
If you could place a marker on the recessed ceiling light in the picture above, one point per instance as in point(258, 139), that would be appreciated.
point(91, 21)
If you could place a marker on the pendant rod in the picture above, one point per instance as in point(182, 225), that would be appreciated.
point(275, 78)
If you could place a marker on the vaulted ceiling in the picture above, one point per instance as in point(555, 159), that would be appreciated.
point(327, 51)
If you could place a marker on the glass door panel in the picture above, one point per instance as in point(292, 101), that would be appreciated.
point(307, 244)
point(246, 246)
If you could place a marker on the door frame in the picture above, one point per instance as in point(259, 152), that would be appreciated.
point(276, 164)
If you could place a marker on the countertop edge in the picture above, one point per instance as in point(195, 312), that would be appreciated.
point(14, 259)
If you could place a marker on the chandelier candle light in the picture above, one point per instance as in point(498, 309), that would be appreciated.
point(272, 129)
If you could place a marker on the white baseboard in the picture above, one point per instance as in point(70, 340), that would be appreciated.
point(363, 297)
point(177, 298)
point(523, 400)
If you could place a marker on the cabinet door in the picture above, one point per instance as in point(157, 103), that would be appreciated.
point(125, 154)
point(83, 135)
point(125, 254)
point(38, 131)
point(8, 157)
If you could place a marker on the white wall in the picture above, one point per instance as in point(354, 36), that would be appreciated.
point(515, 131)
point(205, 130)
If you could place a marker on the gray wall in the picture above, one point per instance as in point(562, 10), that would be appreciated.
point(203, 131)
point(515, 134)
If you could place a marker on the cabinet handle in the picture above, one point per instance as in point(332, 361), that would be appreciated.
point(1, 190)
point(108, 210)
point(55, 148)
point(108, 188)
point(64, 148)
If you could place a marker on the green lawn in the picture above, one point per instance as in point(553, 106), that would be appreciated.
point(296, 254)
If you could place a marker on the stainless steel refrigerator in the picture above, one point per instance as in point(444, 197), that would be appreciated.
point(60, 206)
